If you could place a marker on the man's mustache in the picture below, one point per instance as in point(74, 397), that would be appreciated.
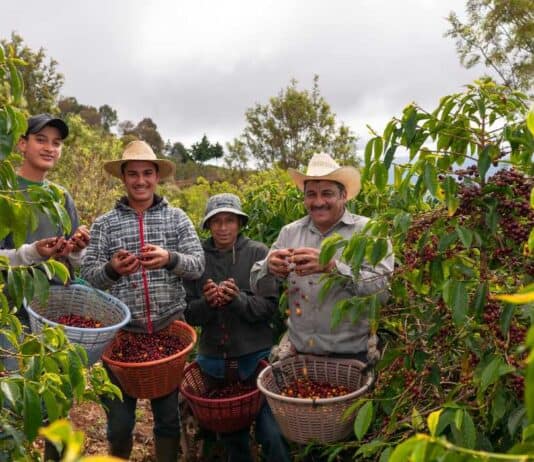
point(321, 207)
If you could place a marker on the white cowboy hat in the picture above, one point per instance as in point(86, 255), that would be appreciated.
point(323, 167)
point(139, 150)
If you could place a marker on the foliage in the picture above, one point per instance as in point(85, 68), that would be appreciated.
point(46, 373)
point(204, 150)
point(177, 152)
point(145, 130)
point(289, 129)
point(61, 433)
point(41, 78)
point(81, 172)
point(193, 199)
point(459, 216)
point(500, 34)
point(271, 201)
point(104, 117)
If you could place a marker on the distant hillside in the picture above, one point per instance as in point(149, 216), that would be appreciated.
point(187, 173)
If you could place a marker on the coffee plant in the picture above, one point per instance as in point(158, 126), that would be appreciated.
point(47, 373)
point(460, 217)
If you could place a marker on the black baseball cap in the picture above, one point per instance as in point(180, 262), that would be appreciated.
point(37, 122)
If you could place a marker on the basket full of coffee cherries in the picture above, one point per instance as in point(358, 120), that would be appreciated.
point(308, 395)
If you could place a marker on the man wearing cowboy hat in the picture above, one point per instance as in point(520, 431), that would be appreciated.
point(140, 251)
point(295, 257)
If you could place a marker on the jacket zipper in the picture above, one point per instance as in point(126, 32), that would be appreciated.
point(144, 276)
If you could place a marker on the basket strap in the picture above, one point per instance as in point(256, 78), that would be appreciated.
point(145, 279)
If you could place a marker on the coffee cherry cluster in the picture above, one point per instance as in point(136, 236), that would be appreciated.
point(306, 388)
point(231, 390)
point(75, 320)
point(140, 348)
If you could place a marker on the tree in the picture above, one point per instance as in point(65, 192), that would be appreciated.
point(145, 130)
point(108, 116)
point(177, 152)
point(459, 217)
point(499, 34)
point(290, 128)
point(204, 150)
point(42, 81)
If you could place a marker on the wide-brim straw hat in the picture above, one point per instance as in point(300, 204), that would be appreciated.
point(323, 167)
point(139, 150)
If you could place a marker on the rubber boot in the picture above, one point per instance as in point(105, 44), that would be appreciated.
point(121, 449)
point(50, 452)
point(167, 449)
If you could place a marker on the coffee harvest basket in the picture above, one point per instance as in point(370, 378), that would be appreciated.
point(152, 379)
point(222, 415)
point(304, 420)
point(82, 301)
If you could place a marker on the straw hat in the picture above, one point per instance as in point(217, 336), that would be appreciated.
point(139, 150)
point(323, 167)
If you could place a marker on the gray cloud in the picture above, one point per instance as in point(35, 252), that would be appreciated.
point(195, 67)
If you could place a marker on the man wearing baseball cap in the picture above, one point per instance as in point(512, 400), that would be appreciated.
point(41, 148)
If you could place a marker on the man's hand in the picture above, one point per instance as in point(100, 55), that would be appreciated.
point(278, 262)
point(211, 293)
point(80, 238)
point(228, 290)
point(50, 247)
point(154, 257)
point(306, 261)
point(124, 262)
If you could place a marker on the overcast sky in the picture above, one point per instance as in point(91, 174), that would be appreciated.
point(195, 67)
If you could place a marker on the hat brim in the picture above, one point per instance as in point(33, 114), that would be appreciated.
point(166, 168)
point(349, 177)
point(56, 123)
point(214, 212)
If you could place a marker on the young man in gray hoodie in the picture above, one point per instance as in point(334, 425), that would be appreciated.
point(235, 323)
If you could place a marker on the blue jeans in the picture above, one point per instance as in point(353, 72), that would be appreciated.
point(121, 415)
point(274, 446)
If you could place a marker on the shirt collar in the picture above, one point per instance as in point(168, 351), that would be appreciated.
point(346, 219)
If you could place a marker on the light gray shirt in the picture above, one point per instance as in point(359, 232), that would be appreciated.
point(309, 327)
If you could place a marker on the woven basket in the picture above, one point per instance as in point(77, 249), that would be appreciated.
point(83, 301)
point(153, 379)
point(222, 415)
point(304, 420)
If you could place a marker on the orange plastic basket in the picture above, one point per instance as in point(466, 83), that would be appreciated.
point(153, 379)
point(222, 415)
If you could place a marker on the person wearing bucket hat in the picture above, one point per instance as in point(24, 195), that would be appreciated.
point(295, 256)
point(235, 323)
point(142, 251)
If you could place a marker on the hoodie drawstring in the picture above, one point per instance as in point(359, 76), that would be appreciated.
point(145, 279)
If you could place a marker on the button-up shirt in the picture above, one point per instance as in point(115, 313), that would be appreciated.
point(309, 321)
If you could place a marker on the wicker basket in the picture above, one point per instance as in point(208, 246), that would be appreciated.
point(304, 420)
point(153, 379)
point(83, 301)
point(222, 415)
